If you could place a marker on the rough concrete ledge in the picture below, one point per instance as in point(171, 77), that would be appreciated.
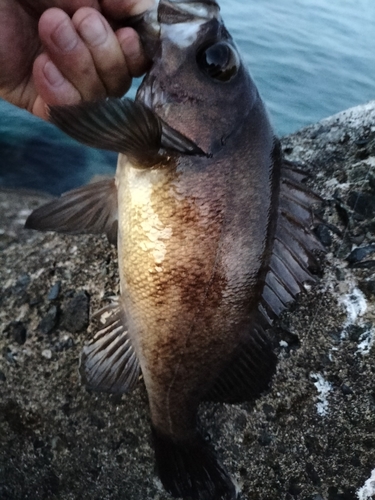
point(312, 437)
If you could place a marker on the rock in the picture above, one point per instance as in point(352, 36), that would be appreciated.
point(60, 441)
point(324, 235)
point(47, 353)
point(54, 291)
point(49, 321)
point(16, 332)
point(76, 314)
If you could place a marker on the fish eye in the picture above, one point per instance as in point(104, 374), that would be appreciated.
point(219, 61)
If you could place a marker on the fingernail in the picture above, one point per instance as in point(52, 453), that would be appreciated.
point(93, 30)
point(65, 36)
point(52, 74)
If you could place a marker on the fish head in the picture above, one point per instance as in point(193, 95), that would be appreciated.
point(198, 83)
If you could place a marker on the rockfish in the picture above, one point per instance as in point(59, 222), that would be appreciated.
point(213, 234)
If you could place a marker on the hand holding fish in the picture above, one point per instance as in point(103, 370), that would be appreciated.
point(48, 57)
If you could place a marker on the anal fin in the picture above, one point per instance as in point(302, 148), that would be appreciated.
point(250, 370)
point(109, 362)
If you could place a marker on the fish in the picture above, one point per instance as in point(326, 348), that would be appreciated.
point(214, 231)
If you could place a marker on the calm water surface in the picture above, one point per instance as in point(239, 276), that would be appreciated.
point(309, 58)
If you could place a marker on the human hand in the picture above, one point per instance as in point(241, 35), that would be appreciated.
point(49, 58)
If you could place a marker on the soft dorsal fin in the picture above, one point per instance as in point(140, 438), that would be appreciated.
point(123, 126)
point(109, 362)
point(89, 209)
point(295, 247)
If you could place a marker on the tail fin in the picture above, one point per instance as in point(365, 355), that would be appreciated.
point(190, 469)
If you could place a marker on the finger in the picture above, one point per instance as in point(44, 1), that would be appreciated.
point(105, 49)
point(130, 43)
point(119, 9)
point(40, 108)
point(51, 85)
point(70, 54)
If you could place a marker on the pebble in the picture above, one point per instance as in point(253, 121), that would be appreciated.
point(16, 332)
point(359, 254)
point(47, 353)
point(76, 314)
point(54, 291)
point(49, 321)
point(324, 235)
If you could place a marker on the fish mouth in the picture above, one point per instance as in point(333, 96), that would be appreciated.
point(170, 12)
point(153, 94)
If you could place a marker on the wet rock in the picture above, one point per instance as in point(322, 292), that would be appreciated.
point(76, 314)
point(2, 377)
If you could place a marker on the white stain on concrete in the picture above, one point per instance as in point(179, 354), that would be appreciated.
point(355, 305)
point(367, 340)
point(324, 388)
point(368, 489)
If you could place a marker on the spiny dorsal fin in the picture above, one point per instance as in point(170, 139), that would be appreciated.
point(89, 209)
point(123, 126)
point(109, 363)
point(295, 247)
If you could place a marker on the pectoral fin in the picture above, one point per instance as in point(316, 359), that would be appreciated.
point(89, 209)
point(123, 126)
point(109, 363)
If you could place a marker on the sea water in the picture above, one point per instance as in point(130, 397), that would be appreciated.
point(309, 58)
